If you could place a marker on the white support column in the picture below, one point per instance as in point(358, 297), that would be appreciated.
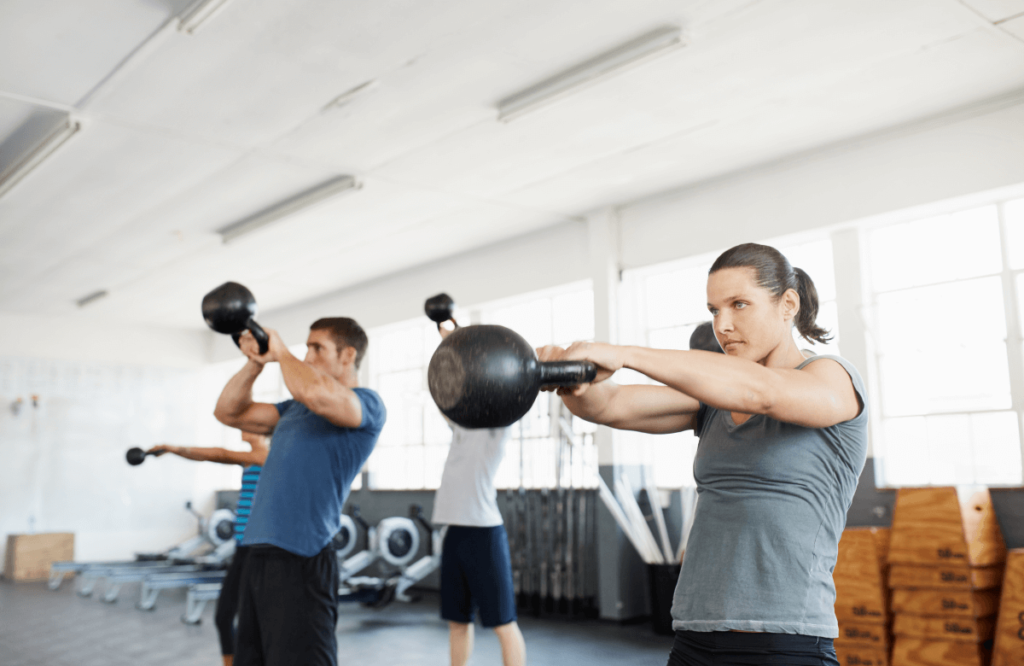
point(1014, 335)
point(603, 250)
point(853, 306)
point(622, 578)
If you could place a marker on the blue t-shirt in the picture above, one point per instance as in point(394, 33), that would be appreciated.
point(307, 475)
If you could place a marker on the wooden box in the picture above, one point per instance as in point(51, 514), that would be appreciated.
point(29, 556)
point(965, 629)
point(861, 595)
point(871, 635)
point(922, 652)
point(860, 655)
point(932, 527)
point(1009, 643)
point(948, 603)
point(945, 577)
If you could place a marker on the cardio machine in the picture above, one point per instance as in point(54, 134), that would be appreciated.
point(394, 543)
point(208, 550)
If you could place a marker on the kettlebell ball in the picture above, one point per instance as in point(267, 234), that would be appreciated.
point(231, 309)
point(136, 456)
point(488, 376)
point(439, 308)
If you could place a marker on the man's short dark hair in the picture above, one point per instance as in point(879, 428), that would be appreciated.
point(346, 333)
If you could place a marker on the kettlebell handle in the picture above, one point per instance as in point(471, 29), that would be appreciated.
point(262, 339)
point(567, 373)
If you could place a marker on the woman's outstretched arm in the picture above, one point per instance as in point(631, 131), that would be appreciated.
point(650, 409)
point(818, 396)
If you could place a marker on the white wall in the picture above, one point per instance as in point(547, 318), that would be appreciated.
point(78, 338)
point(101, 390)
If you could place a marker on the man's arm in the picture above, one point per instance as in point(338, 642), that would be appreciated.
point(217, 455)
point(321, 393)
point(236, 408)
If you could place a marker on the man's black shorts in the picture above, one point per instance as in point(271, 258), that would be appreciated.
point(288, 609)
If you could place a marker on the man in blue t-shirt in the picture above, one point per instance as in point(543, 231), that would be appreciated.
point(288, 607)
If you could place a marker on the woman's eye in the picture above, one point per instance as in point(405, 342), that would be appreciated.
point(714, 313)
point(740, 306)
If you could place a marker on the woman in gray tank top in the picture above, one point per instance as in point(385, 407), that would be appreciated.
point(783, 440)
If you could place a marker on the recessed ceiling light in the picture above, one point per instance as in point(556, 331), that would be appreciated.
point(92, 298)
point(289, 206)
point(654, 43)
point(198, 13)
point(24, 166)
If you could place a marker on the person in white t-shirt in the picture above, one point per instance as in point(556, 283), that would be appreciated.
point(476, 567)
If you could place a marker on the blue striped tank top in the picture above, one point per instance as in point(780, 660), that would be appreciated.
point(250, 477)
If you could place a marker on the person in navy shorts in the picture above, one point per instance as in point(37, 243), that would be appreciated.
point(476, 568)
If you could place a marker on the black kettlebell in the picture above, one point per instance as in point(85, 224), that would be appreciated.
point(488, 376)
point(231, 309)
point(136, 456)
point(439, 309)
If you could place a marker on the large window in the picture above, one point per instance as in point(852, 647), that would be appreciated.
point(414, 444)
point(662, 305)
point(942, 311)
point(411, 450)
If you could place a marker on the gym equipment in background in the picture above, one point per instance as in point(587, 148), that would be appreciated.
point(552, 533)
point(348, 565)
point(344, 541)
point(232, 309)
point(488, 376)
point(440, 309)
point(195, 600)
point(394, 542)
point(209, 549)
point(136, 456)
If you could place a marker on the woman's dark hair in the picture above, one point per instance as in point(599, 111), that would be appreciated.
point(773, 272)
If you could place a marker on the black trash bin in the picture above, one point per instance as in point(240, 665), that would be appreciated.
point(662, 579)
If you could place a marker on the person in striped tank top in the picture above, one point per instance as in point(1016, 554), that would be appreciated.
point(252, 462)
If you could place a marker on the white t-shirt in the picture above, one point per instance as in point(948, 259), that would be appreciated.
point(467, 496)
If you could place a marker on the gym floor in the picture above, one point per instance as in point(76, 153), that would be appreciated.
point(59, 628)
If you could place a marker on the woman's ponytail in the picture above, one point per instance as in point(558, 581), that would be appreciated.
point(806, 319)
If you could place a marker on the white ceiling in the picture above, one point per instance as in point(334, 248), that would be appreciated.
point(198, 131)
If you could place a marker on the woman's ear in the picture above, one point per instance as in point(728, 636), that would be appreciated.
point(790, 304)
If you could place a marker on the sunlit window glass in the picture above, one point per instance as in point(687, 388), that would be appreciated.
point(940, 339)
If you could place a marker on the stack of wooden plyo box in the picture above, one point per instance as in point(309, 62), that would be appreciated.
point(1009, 643)
point(946, 560)
point(862, 598)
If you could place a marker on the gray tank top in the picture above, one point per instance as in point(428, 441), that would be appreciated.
point(772, 503)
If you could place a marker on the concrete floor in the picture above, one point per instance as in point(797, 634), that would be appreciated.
point(59, 628)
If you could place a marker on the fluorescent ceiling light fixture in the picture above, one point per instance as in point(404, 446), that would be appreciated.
point(198, 13)
point(91, 298)
point(289, 206)
point(33, 158)
point(633, 52)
